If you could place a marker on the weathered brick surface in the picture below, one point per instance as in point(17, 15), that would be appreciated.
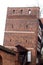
point(21, 25)
point(12, 12)
point(19, 19)
point(26, 40)
point(7, 59)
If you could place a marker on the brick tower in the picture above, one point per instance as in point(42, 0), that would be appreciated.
point(21, 32)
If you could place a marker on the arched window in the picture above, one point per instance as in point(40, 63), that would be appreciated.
point(0, 60)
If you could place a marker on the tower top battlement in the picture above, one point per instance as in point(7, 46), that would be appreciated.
point(23, 11)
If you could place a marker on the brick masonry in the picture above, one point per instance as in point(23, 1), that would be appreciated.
point(7, 59)
point(25, 20)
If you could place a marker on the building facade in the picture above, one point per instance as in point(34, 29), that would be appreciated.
point(23, 35)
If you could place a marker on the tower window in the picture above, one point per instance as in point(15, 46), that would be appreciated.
point(10, 40)
point(29, 11)
point(21, 11)
point(12, 25)
point(13, 11)
point(26, 26)
point(26, 41)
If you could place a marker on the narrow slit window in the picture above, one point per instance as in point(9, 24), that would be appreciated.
point(12, 25)
point(13, 11)
point(21, 11)
point(26, 41)
point(10, 40)
point(26, 26)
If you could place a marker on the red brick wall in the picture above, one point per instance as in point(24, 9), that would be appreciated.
point(17, 21)
point(21, 24)
point(26, 40)
point(12, 12)
point(7, 59)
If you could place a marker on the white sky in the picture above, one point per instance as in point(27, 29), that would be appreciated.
point(15, 3)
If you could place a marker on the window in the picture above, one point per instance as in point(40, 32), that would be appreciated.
point(21, 11)
point(42, 39)
point(29, 56)
point(10, 40)
point(26, 26)
point(29, 11)
point(13, 11)
point(12, 25)
point(37, 60)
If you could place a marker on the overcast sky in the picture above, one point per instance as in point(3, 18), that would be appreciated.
point(15, 3)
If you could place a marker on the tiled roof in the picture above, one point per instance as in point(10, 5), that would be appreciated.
point(21, 48)
point(7, 50)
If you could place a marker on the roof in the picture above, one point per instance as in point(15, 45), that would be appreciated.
point(21, 48)
point(12, 48)
point(2, 48)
